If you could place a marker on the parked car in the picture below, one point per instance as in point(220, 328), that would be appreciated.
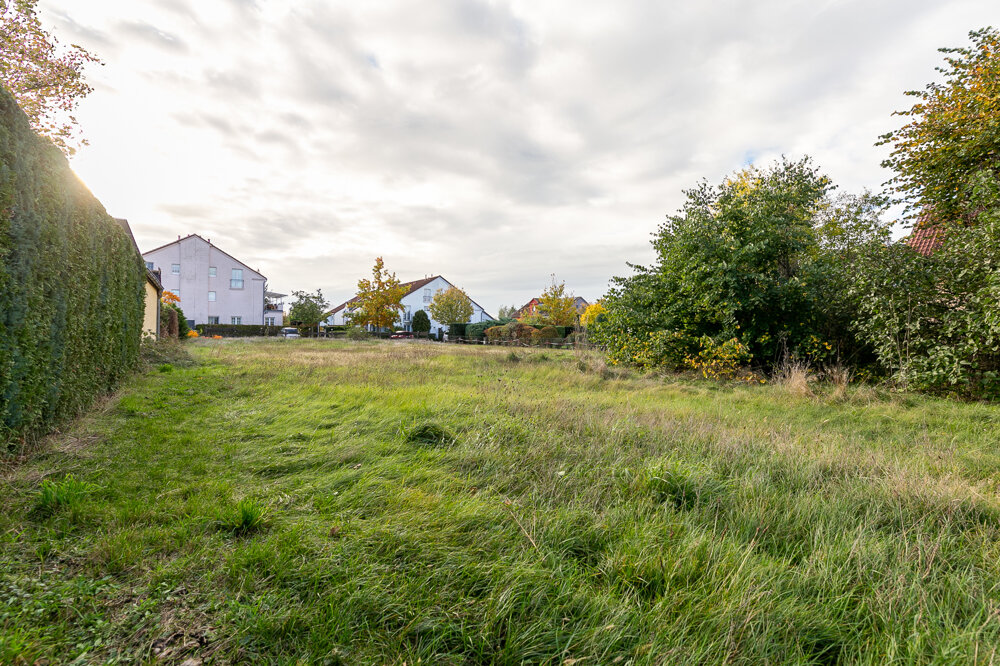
point(401, 335)
point(290, 332)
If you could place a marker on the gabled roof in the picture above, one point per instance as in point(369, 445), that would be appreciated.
point(927, 238)
point(179, 240)
point(410, 288)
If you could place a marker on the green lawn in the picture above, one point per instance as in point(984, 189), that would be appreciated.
point(381, 503)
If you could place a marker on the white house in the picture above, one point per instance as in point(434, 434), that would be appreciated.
point(214, 287)
point(418, 296)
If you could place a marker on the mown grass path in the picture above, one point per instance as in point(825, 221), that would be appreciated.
point(321, 502)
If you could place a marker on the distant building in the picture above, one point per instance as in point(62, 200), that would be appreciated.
point(214, 286)
point(274, 308)
point(419, 294)
point(926, 239)
point(530, 308)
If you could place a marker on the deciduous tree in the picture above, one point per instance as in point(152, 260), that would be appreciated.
point(451, 306)
point(45, 79)
point(308, 310)
point(952, 133)
point(591, 314)
point(379, 299)
point(556, 307)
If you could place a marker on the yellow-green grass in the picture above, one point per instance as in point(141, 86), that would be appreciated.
point(379, 503)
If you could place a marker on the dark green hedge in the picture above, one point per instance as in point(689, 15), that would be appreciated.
point(71, 287)
point(237, 330)
point(456, 330)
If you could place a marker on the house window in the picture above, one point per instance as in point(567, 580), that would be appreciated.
point(211, 296)
point(427, 295)
point(149, 265)
point(236, 320)
point(175, 269)
point(269, 321)
point(213, 320)
point(236, 279)
point(212, 272)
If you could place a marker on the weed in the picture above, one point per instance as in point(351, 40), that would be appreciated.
point(166, 367)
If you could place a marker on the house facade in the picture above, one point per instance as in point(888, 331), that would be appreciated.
point(213, 286)
point(418, 296)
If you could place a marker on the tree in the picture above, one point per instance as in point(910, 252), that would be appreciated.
point(379, 299)
point(951, 135)
point(308, 309)
point(591, 314)
point(169, 297)
point(739, 261)
point(421, 322)
point(46, 80)
point(451, 306)
point(556, 307)
point(506, 312)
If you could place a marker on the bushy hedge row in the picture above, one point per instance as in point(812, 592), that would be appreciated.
point(237, 330)
point(71, 287)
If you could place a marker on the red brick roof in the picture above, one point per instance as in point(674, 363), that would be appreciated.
point(926, 239)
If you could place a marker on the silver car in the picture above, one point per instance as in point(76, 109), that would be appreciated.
point(290, 332)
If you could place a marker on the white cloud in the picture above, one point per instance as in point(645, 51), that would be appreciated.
point(493, 142)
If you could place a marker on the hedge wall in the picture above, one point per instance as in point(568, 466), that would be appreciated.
point(71, 287)
point(238, 330)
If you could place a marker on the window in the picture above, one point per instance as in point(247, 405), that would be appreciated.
point(211, 297)
point(213, 320)
point(149, 265)
point(427, 295)
point(236, 320)
point(175, 269)
point(236, 280)
point(269, 321)
point(212, 272)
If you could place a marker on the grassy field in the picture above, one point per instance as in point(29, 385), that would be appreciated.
point(390, 503)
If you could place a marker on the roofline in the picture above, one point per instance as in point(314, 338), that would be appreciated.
point(155, 249)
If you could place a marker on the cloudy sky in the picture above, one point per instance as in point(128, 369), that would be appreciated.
point(494, 142)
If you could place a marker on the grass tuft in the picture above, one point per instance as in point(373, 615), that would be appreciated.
point(248, 516)
point(67, 494)
point(429, 433)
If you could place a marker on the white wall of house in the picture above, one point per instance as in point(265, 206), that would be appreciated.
point(207, 280)
point(418, 300)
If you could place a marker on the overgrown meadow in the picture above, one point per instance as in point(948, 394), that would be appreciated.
point(385, 503)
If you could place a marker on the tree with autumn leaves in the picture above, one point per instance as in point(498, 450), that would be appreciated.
point(45, 78)
point(451, 306)
point(952, 134)
point(379, 299)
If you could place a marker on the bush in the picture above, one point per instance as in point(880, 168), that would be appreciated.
point(456, 330)
point(357, 333)
point(550, 333)
point(72, 287)
point(494, 333)
point(478, 330)
point(237, 330)
point(933, 320)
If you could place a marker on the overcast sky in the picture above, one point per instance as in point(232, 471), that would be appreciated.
point(495, 142)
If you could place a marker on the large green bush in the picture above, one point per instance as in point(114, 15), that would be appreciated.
point(759, 259)
point(934, 321)
point(71, 287)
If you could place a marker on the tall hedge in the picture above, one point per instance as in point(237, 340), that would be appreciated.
point(71, 287)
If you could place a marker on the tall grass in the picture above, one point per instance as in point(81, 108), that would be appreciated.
point(425, 503)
